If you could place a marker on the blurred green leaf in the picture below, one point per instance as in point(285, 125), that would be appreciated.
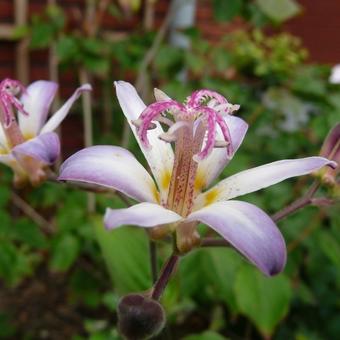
point(14, 263)
point(125, 251)
point(227, 10)
point(67, 48)
point(208, 335)
point(42, 35)
point(331, 247)
point(64, 252)
point(264, 300)
point(29, 233)
point(279, 10)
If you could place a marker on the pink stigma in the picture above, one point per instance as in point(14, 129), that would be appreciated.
point(8, 90)
point(203, 106)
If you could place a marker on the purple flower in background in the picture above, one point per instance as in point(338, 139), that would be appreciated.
point(27, 141)
point(205, 137)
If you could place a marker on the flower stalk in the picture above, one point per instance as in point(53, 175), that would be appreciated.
point(166, 273)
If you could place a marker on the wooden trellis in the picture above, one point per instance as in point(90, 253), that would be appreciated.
point(22, 50)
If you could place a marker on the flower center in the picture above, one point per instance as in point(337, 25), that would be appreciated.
point(8, 90)
point(192, 128)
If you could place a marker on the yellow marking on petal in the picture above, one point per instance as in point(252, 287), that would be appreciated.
point(199, 182)
point(155, 193)
point(165, 179)
point(211, 196)
point(29, 136)
point(3, 151)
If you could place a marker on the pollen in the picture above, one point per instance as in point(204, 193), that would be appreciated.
point(211, 196)
point(165, 179)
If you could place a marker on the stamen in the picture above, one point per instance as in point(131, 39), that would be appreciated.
point(221, 144)
point(198, 96)
point(8, 90)
point(151, 113)
point(166, 137)
point(160, 95)
point(211, 133)
point(165, 121)
point(226, 133)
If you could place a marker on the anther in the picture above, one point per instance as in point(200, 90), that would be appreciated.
point(160, 95)
point(137, 122)
point(221, 144)
point(166, 137)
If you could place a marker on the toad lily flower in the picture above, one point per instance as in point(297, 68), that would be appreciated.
point(205, 137)
point(27, 143)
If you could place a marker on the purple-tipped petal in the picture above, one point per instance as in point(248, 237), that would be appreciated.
point(160, 156)
point(60, 115)
point(37, 101)
point(250, 230)
point(211, 167)
point(261, 177)
point(110, 167)
point(142, 215)
point(45, 148)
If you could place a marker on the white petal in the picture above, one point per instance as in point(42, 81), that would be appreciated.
point(335, 75)
point(142, 215)
point(60, 115)
point(37, 101)
point(211, 167)
point(3, 141)
point(160, 157)
point(249, 229)
point(110, 167)
point(261, 177)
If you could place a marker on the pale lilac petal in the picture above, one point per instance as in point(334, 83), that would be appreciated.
point(37, 101)
point(250, 230)
point(45, 148)
point(60, 115)
point(142, 215)
point(160, 156)
point(211, 167)
point(261, 177)
point(111, 167)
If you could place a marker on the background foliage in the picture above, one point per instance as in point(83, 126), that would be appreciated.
point(290, 107)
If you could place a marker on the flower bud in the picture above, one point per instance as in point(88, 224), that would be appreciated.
point(140, 317)
point(331, 150)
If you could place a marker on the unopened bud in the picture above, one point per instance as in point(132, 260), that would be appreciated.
point(331, 150)
point(140, 317)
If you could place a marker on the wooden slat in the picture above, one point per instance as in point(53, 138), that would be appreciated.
point(6, 31)
point(22, 50)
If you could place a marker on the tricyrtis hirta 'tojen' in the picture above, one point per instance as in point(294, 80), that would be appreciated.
point(27, 142)
point(205, 136)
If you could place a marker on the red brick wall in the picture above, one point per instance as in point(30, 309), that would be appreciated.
point(318, 26)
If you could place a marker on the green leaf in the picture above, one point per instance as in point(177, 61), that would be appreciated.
point(264, 300)
point(208, 335)
point(279, 10)
point(67, 48)
point(331, 248)
point(42, 35)
point(29, 233)
point(227, 10)
point(14, 263)
point(125, 251)
point(65, 252)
